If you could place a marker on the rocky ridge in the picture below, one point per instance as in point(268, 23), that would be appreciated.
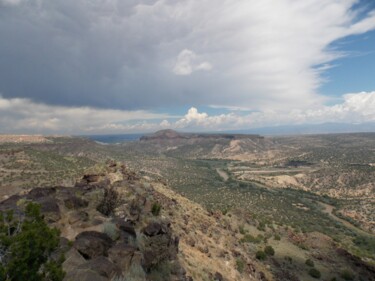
point(135, 240)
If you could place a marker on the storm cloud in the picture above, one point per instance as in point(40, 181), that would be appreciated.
point(161, 53)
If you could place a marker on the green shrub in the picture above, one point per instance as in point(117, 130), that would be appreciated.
point(240, 265)
point(309, 262)
point(347, 275)
point(269, 251)
point(26, 247)
point(315, 273)
point(260, 255)
point(277, 237)
point(155, 209)
point(262, 226)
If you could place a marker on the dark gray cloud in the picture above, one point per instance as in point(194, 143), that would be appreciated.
point(127, 54)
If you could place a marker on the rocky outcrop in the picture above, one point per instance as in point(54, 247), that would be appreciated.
point(91, 244)
point(130, 242)
point(158, 244)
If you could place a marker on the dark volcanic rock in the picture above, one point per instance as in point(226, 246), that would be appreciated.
point(50, 209)
point(40, 193)
point(126, 226)
point(92, 244)
point(74, 202)
point(158, 244)
point(155, 228)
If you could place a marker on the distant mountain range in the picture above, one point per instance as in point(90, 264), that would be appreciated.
point(324, 128)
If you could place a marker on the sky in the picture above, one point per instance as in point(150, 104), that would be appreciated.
point(114, 66)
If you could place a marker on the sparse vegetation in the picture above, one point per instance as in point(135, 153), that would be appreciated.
point(261, 215)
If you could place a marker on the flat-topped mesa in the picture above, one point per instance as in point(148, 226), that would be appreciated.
point(174, 135)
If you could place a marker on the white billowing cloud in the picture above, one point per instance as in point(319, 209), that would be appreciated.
point(187, 63)
point(355, 108)
point(23, 115)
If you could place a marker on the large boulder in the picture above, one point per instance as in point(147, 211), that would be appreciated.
point(38, 193)
point(72, 260)
point(126, 226)
point(156, 228)
point(91, 244)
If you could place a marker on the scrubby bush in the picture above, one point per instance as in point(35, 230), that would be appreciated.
point(309, 262)
point(277, 237)
point(240, 264)
point(111, 230)
point(26, 243)
point(248, 238)
point(109, 202)
point(347, 275)
point(262, 226)
point(155, 209)
point(269, 251)
point(288, 259)
point(314, 273)
point(260, 255)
